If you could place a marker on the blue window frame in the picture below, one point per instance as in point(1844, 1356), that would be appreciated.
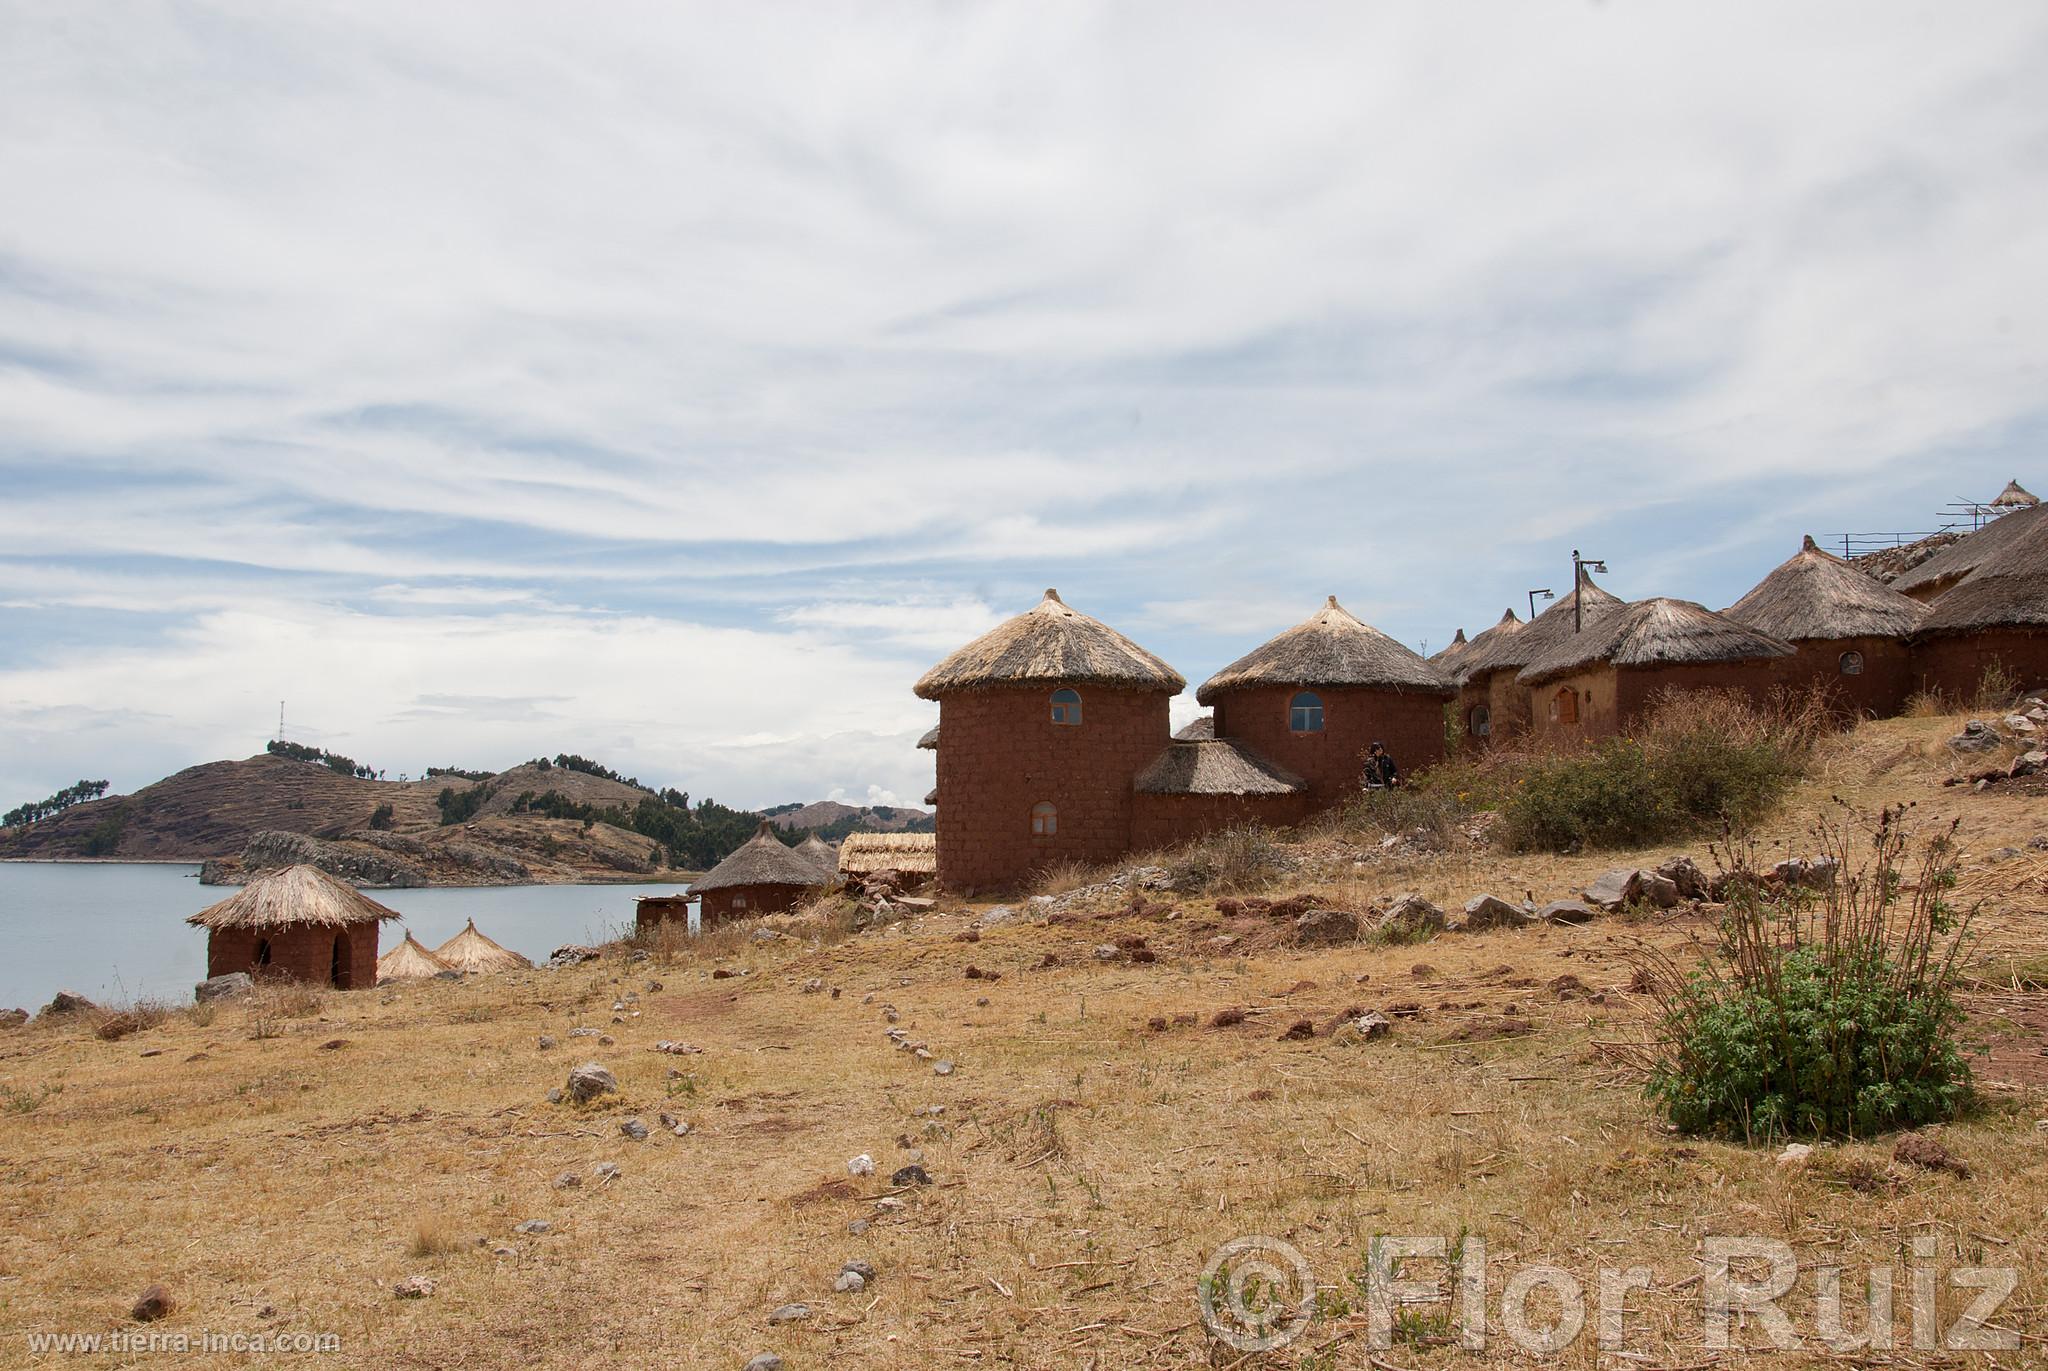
point(1305, 713)
point(1066, 706)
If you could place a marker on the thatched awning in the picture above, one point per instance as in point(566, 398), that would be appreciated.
point(1332, 649)
point(1816, 596)
point(2008, 590)
point(1657, 632)
point(930, 741)
point(1962, 558)
point(409, 962)
point(1196, 729)
point(292, 895)
point(1512, 650)
point(471, 953)
point(864, 853)
point(1050, 645)
point(1215, 766)
point(763, 859)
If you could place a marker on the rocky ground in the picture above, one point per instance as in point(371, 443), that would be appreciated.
point(982, 1134)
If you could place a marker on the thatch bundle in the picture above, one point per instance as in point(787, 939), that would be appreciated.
point(1818, 596)
point(1656, 632)
point(1512, 649)
point(1962, 559)
point(409, 962)
point(1331, 649)
point(2007, 590)
point(1216, 766)
point(1459, 668)
point(821, 853)
point(863, 854)
point(292, 895)
point(1196, 729)
point(763, 859)
point(1050, 644)
point(471, 953)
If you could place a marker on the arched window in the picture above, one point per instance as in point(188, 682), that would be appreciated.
point(1066, 706)
point(1852, 664)
point(739, 901)
point(1479, 723)
point(1565, 708)
point(1305, 713)
point(1045, 819)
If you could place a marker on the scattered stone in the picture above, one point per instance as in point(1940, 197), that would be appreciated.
point(1917, 1149)
point(863, 1165)
point(555, 1095)
point(1684, 873)
point(1977, 736)
point(607, 1171)
point(864, 1270)
point(223, 987)
point(1371, 1025)
point(607, 1040)
point(1814, 873)
point(590, 1080)
point(568, 1180)
point(1325, 928)
point(66, 1002)
point(1423, 971)
point(942, 1068)
point(1411, 916)
point(813, 985)
point(585, 1032)
point(534, 1226)
point(152, 1304)
point(849, 1283)
point(1227, 1018)
point(1569, 987)
point(675, 1049)
point(1615, 889)
point(2001, 854)
point(673, 1124)
point(2029, 763)
point(635, 1129)
point(545, 1041)
point(1108, 952)
point(1298, 1030)
point(13, 1018)
point(414, 1288)
point(910, 1175)
point(1156, 1024)
point(790, 1313)
point(766, 1361)
point(1567, 912)
point(1795, 1154)
point(859, 1227)
point(1484, 912)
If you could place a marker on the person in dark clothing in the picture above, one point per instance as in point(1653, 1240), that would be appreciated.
point(1381, 773)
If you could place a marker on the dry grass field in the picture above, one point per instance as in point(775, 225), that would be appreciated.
point(280, 1163)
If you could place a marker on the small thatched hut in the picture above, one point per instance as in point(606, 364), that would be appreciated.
point(298, 922)
point(1197, 786)
point(1475, 717)
point(1949, 567)
point(1444, 658)
point(821, 852)
point(1596, 683)
point(651, 911)
point(1493, 704)
point(2015, 496)
point(1849, 630)
point(915, 855)
point(1317, 696)
point(1046, 718)
point(1197, 729)
point(409, 961)
point(471, 953)
point(763, 875)
point(1995, 621)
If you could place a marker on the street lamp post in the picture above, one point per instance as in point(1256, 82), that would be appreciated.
point(1580, 566)
point(1548, 595)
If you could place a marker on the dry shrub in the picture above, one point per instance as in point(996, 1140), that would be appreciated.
point(1997, 688)
point(436, 1235)
point(1228, 861)
point(1063, 876)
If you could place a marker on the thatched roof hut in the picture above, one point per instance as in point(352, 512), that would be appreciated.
point(914, 854)
point(1332, 648)
point(1215, 766)
point(930, 740)
point(292, 896)
point(2008, 589)
point(471, 953)
point(1653, 633)
point(409, 962)
point(1816, 596)
point(1442, 658)
point(1459, 667)
point(763, 859)
point(821, 852)
point(1050, 644)
point(1512, 649)
point(1961, 559)
point(1194, 730)
point(2015, 496)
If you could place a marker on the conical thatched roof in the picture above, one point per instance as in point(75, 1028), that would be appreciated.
point(1196, 729)
point(2007, 590)
point(1514, 649)
point(1450, 652)
point(2015, 496)
point(821, 852)
point(1818, 596)
point(471, 953)
point(1459, 668)
point(409, 962)
point(292, 895)
point(1657, 632)
point(930, 740)
point(1959, 559)
point(1050, 644)
point(1215, 766)
point(1331, 649)
point(763, 859)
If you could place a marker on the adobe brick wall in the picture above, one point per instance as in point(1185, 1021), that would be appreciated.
point(1611, 701)
point(1161, 821)
point(718, 906)
point(1506, 697)
point(1880, 692)
point(1410, 723)
point(301, 951)
point(1954, 664)
point(1001, 754)
point(655, 911)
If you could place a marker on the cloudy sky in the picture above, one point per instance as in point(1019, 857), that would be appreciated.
point(673, 383)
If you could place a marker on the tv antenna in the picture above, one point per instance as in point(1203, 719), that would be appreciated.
point(280, 720)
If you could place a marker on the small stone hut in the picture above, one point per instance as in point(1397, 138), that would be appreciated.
point(1046, 718)
point(1491, 670)
point(1995, 618)
point(1849, 630)
point(1316, 697)
point(297, 922)
point(763, 875)
point(1596, 683)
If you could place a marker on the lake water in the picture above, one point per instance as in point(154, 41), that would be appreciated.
point(116, 931)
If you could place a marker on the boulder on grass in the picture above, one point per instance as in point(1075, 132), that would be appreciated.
point(1325, 928)
point(68, 1002)
point(1685, 873)
point(1567, 912)
point(1616, 889)
point(590, 1080)
point(223, 987)
point(1483, 912)
point(1977, 736)
point(1411, 916)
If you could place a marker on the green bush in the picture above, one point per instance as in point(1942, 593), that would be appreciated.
point(1828, 1015)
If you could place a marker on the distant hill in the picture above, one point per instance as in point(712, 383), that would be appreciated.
point(831, 819)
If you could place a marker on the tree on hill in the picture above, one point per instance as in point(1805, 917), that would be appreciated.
point(333, 761)
point(78, 792)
